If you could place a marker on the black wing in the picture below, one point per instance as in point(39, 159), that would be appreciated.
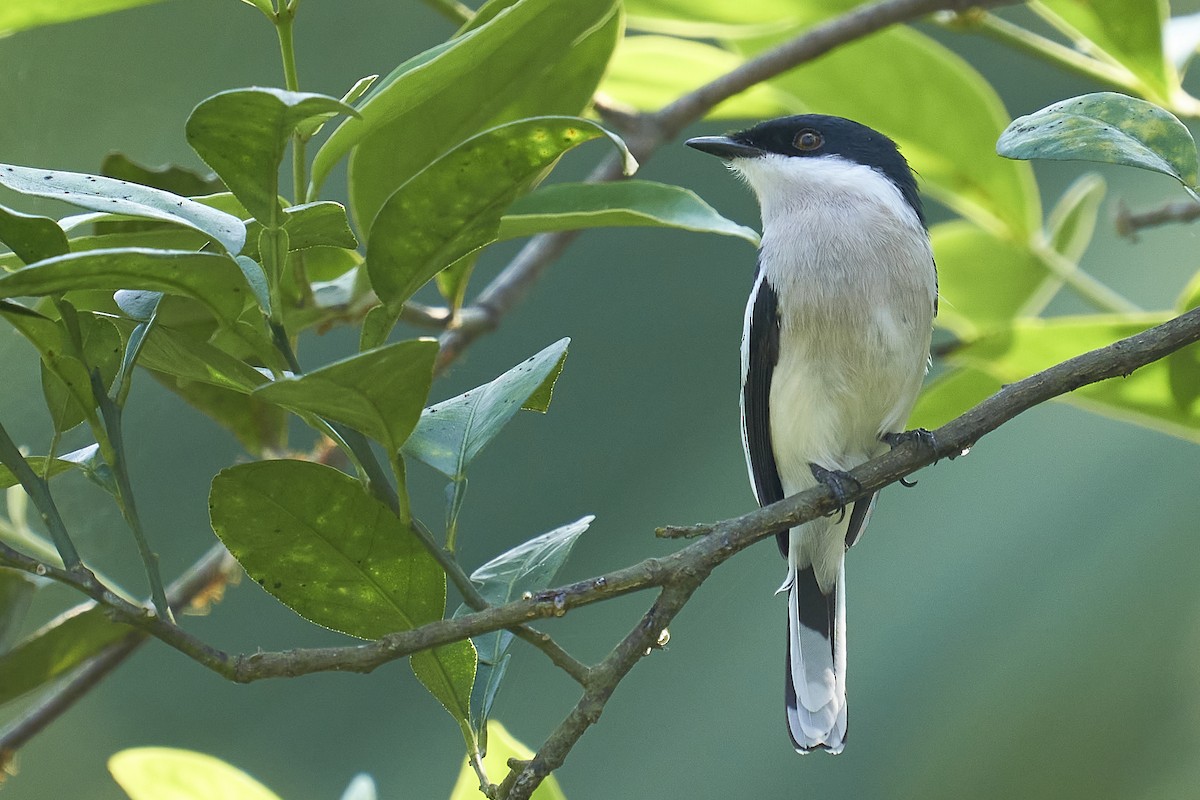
point(762, 343)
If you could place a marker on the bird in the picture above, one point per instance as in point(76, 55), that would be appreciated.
point(835, 347)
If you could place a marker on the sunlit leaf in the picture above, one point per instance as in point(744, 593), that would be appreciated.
point(166, 773)
point(1106, 127)
point(448, 672)
point(539, 57)
point(949, 395)
point(453, 207)
point(27, 14)
point(502, 746)
point(378, 392)
point(633, 203)
point(243, 133)
point(315, 539)
point(109, 195)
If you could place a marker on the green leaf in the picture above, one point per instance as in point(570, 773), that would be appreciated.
point(260, 427)
point(27, 14)
point(313, 125)
point(451, 433)
point(1107, 127)
point(377, 392)
point(448, 672)
point(102, 350)
point(538, 57)
point(243, 133)
point(264, 6)
point(16, 592)
point(109, 195)
point(1073, 221)
point(1131, 33)
point(983, 280)
point(1183, 370)
point(634, 203)
point(1145, 398)
point(361, 787)
point(452, 281)
point(214, 280)
point(501, 746)
point(650, 72)
point(57, 648)
point(181, 355)
point(317, 541)
point(951, 394)
point(947, 130)
point(31, 238)
point(170, 177)
point(58, 466)
point(166, 773)
point(453, 207)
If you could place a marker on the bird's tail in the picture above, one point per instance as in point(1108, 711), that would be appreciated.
point(816, 661)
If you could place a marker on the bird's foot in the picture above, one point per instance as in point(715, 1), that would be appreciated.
point(842, 484)
point(921, 435)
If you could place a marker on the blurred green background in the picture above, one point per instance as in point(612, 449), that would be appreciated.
point(1025, 623)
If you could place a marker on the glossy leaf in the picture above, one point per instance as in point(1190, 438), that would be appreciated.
point(214, 280)
point(27, 14)
point(377, 392)
point(1130, 31)
point(312, 536)
point(1106, 127)
point(453, 207)
point(166, 773)
point(112, 196)
point(502, 746)
point(650, 72)
point(260, 427)
point(983, 280)
point(1145, 397)
point(176, 353)
point(539, 57)
point(574, 206)
point(947, 130)
point(451, 433)
point(16, 591)
point(57, 648)
point(243, 133)
point(31, 238)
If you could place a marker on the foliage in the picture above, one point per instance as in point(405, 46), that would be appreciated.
point(208, 284)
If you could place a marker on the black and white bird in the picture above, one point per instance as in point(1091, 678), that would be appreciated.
point(834, 350)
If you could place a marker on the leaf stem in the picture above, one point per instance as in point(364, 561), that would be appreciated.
point(452, 10)
point(39, 492)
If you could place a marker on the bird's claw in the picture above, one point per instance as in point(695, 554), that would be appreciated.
point(842, 484)
point(921, 435)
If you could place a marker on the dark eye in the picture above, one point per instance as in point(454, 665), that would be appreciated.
point(808, 139)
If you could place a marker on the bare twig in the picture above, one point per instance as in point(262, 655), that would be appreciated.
point(1128, 223)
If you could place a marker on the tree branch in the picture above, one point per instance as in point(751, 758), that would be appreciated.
point(1128, 223)
point(646, 133)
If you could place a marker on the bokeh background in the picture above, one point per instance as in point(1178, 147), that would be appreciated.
point(1024, 623)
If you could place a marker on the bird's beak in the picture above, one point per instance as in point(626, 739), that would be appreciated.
point(723, 147)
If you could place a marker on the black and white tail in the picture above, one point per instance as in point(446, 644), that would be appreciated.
point(816, 661)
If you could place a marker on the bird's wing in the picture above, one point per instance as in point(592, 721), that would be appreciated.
point(760, 352)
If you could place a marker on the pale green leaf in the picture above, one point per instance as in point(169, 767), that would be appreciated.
point(26, 14)
point(501, 746)
point(167, 773)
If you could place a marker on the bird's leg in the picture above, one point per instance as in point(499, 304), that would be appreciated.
point(842, 484)
point(921, 435)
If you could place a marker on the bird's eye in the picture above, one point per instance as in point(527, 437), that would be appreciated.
point(808, 139)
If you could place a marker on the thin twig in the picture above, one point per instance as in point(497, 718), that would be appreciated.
point(1128, 223)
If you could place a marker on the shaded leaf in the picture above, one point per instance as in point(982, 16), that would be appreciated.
point(112, 196)
point(453, 207)
point(634, 203)
point(452, 281)
point(260, 427)
point(377, 392)
point(38, 463)
point(316, 540)
point(214, 280)
point(313, 125)
point(57, 648)
point(169, 177)
point(1106, 127)
point(451, 433)
point(102, 350)
point(448, 672)
point(1073, 221)
point(176, 353)
point(16, 591)
point(501, 746)
point(167, 773)
point(31, 238)
point(538, 57)
point(243, 133)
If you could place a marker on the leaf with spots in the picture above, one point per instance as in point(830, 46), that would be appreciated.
point(315, 539)
point(109, 195)
point(1109, 128)
point(453, 207)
